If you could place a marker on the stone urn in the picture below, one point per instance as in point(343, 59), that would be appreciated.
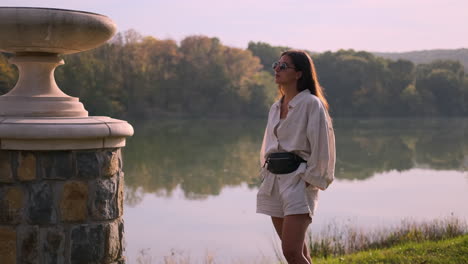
point(61, 179)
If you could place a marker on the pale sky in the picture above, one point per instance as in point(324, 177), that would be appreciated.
point(371, 25)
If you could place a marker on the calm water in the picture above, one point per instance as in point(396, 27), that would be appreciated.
point(191, 185)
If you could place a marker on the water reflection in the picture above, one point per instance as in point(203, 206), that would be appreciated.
point(203, 156)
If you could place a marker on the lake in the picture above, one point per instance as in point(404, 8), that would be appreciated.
point(191, 184)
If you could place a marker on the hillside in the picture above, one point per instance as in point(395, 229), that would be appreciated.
point(426, 56)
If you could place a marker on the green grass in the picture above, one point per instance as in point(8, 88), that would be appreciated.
point(339, 240)
point(448, 251)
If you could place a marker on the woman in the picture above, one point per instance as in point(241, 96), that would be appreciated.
point(297, 154)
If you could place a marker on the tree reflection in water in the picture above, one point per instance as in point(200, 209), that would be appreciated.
point(203, 156)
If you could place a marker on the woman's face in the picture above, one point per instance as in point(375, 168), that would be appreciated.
point(288, 75)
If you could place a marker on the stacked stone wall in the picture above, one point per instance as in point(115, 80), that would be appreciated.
point(61, 207)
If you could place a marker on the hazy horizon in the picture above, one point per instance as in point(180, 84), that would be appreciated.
point(386, 26)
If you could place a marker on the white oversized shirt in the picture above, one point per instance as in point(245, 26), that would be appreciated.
point(306, 131)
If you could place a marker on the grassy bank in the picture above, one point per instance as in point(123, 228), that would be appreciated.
point(438, 241)
point(448, 251)
point(338, 240)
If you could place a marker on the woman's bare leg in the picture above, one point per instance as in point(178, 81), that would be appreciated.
point(306, 253)
point(278, 223)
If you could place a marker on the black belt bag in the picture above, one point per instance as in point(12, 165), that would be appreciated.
point(283, 162)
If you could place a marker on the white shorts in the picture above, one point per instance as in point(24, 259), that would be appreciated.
point(286, 194)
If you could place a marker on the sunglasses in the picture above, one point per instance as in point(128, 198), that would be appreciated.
point(282, 66)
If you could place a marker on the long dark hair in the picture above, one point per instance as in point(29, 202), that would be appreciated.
point(303, 63)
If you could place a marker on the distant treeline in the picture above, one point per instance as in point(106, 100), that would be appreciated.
point(428, 56)
point(137, 77)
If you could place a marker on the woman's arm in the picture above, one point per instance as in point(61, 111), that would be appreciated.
point(321, 163)
point(262, 149)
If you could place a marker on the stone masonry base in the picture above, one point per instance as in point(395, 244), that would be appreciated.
point(61, 207)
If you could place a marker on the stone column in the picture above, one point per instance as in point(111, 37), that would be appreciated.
point(61, 178)
point(61, 206)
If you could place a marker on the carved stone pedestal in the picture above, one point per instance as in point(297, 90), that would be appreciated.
point(61, 179)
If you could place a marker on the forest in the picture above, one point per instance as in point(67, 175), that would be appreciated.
point(142, 77)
